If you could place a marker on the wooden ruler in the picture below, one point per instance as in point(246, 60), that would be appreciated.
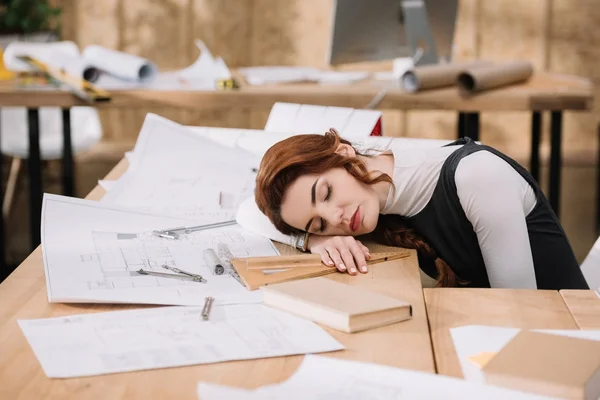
point(259, 271)
point(79, 87)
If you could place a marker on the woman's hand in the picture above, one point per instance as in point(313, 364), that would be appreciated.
point(345, 252)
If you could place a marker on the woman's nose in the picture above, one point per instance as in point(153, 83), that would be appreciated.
point(337, 214)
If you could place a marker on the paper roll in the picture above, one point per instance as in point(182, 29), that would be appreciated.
point(436, 76)
point(41, 51)
point(489, 77)
point(75, 66)
point(121, 65)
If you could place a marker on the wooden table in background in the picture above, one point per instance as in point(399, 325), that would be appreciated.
point(584, 305)
point(23, 296)
point(453, 307)
point(543, 92)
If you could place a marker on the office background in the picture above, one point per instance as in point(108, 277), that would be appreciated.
point(555, 35)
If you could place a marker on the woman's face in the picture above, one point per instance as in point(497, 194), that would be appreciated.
point(333, 203)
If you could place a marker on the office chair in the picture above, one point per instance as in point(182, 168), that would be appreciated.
point(86, 131)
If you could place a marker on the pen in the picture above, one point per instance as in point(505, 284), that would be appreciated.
point(207, 306)
point(213, 261)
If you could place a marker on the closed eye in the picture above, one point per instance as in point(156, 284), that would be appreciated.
point(328, 193)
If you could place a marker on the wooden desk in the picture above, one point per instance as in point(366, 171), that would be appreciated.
point(23, 295)
point(543, 92)
point(452, 307)
point(584, 306)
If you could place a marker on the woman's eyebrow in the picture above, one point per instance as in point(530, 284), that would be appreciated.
point(313, 200)
point(313, 196)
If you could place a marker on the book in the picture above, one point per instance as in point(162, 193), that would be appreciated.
point(337, 305)
point(547, 364)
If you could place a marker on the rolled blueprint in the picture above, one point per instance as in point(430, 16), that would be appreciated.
point(121, 65)
point(436, 76)
point(489, 77)
point(40, 51)
point(75, 66)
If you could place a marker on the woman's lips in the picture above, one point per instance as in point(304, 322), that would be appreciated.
point(355, 221)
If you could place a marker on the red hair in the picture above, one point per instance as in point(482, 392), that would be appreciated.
point(299, 155)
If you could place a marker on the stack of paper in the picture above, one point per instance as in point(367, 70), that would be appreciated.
point(327, 378)
point(304, 118)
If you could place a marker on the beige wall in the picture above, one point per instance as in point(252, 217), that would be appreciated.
point(556, 35)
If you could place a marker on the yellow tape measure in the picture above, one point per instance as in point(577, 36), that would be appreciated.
point(225, 84)
point(79, 87)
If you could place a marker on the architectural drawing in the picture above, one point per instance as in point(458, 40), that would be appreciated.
point(119, 256)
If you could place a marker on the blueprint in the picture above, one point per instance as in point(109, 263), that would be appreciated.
point(92, 252)
point(119, 341)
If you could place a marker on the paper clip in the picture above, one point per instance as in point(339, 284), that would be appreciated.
point(207, 306)
point(174, 233)
point(179, 274)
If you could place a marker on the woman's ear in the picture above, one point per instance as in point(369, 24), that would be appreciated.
point(345, 150)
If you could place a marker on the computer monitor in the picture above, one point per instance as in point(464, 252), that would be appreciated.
point(373, 30)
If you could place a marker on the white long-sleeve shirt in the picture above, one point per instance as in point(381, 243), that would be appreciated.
point(495, 198)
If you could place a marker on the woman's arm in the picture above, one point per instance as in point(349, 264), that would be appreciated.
point(496, 200)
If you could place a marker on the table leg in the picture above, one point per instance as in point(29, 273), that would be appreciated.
point(555, 159)
point(536, 136)
point(461, 125)
point(598, 188)
point(68, 166)
point(468, 125)
point(472, 126)
point(3, 266)
point(35, 176)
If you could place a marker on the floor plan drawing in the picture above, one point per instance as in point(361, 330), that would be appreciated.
point(102, 264)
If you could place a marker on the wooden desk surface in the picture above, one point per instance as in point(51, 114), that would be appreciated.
point(584, 305)
point(543, 91)
point(23, 295)
point(452, 307)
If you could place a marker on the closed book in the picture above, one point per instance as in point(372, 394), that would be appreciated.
point(337, 305)
point(547, 364)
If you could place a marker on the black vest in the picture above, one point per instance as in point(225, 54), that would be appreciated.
point(445, 226)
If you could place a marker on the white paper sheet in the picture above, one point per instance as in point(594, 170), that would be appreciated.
point(590, 267)
point(264, 75)
point(470, 340)
point(321, 377)
point(163, 144)
point(360, 124)
point(303, 118)
point(205, 198)
point(308, 119)
point(106, 184)
point(196, 177)
point(92, 252)
point(282, 117)
point(111, 342)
